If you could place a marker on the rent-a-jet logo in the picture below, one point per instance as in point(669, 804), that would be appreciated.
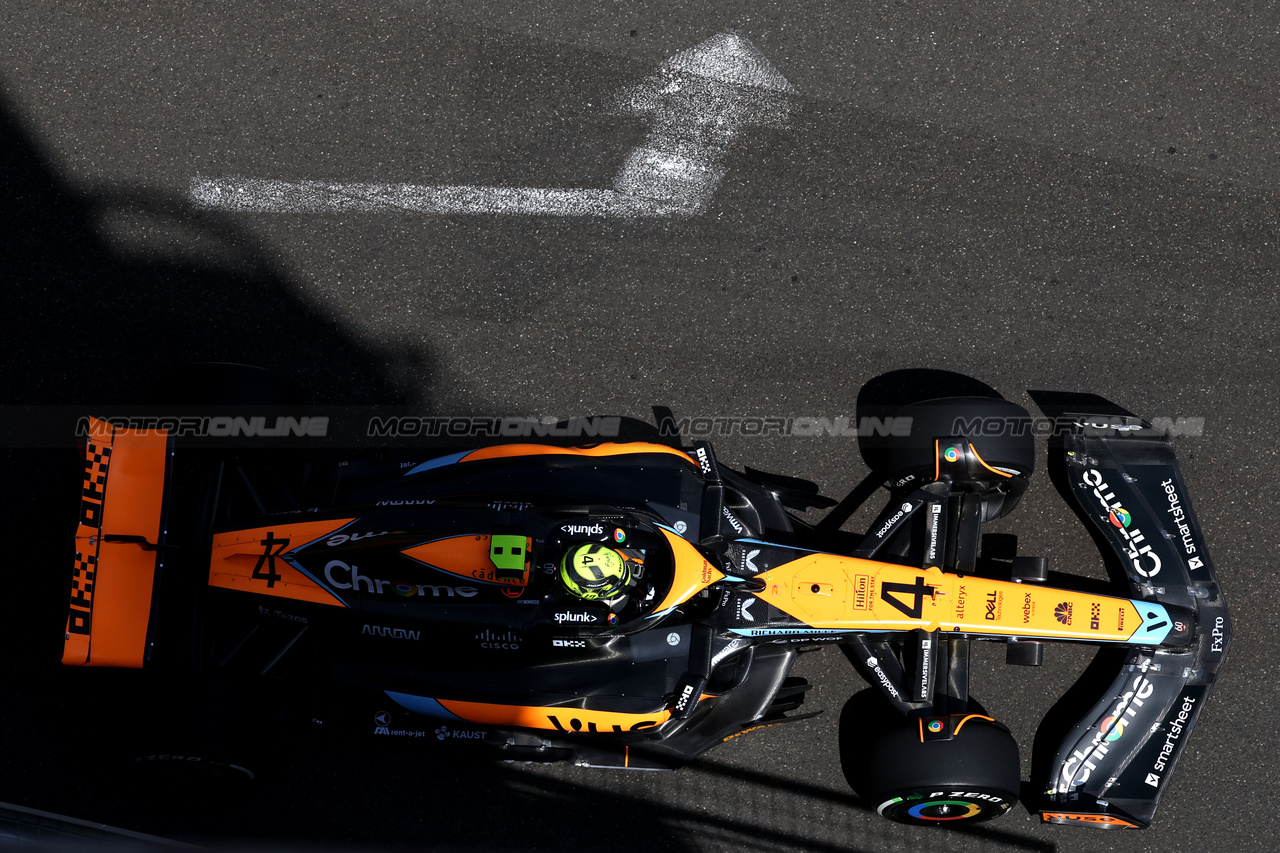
point(1120, 519)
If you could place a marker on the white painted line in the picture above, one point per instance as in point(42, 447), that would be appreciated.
point(262, 196)
point(697, 103)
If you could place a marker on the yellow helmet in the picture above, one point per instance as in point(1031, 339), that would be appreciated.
point(594, 571)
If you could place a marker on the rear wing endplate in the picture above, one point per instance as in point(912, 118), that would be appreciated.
point(1114, 765)
point(118, 545)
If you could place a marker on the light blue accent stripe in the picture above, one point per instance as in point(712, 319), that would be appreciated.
point(794, 632)
point(1155, 626)
point(776, 545)
point(422, 705)
point(437, 463)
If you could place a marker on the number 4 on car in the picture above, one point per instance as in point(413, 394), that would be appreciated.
point(632, 605)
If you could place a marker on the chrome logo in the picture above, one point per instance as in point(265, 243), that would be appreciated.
point(951, 454)
point(935, 725)
point(1120, 516)
point(1113, 734)
point(940, 810)
point(404, 589)
point(619, 535)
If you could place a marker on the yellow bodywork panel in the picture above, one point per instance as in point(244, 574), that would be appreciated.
point(845, 593)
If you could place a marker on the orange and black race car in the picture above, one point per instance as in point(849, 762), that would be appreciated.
point(408, 598)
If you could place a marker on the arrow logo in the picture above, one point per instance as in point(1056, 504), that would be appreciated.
point(699, 101)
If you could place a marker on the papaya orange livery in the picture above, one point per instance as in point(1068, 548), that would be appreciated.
point(1094, 819)
point(692, 572)
point(628, 448)
point(258, 560)
point(500, 559)
point(554, 718)
point(117, 539)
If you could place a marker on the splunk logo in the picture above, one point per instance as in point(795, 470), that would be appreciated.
point(582, 529)
point(1144, 561)
point(341, 575)
point(582, 617)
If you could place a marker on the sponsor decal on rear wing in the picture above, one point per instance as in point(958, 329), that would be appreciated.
point(118, 546)
point(1114, 765)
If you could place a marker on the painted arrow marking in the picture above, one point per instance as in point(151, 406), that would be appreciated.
point(697, 103)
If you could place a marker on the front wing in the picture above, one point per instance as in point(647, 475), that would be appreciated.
point(1115, 763)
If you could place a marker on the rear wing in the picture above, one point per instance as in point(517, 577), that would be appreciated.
point(118, 546)
point(1114, 765)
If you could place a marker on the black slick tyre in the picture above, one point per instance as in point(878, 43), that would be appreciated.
point(970, 779)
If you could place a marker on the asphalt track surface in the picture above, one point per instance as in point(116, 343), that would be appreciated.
point(1070, 198)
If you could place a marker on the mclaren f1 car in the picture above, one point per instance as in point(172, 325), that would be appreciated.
point(404, 596)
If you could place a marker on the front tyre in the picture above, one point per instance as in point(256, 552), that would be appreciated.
point(972, 778)
point(944, 807)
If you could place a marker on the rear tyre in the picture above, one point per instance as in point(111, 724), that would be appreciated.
point(974, 777)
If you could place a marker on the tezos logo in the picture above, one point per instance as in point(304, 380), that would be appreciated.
point(1063, 613)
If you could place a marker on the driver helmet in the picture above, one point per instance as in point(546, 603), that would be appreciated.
point(595, 572)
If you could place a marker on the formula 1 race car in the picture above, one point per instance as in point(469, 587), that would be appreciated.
point(407, 597)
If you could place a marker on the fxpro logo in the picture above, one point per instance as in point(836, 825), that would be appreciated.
point(340, 575)
point(1121, 521)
